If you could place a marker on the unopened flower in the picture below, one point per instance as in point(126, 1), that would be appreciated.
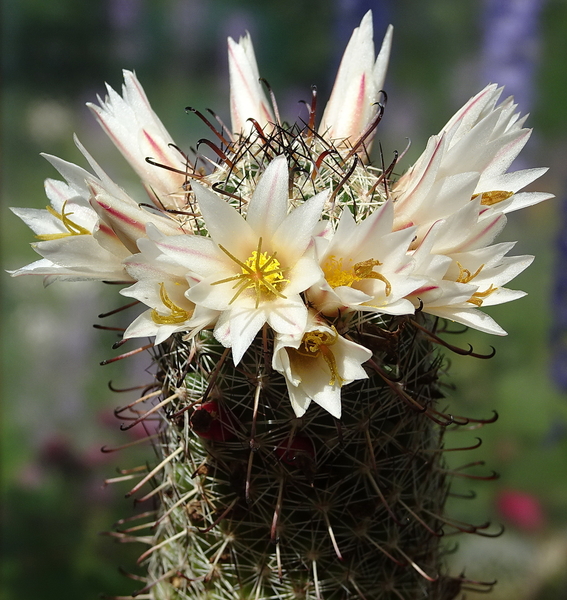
point(138, 133)
point(317, 364)
point(247, 97)
point(354, 99)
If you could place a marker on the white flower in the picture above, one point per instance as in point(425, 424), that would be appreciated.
point(162, 285)
point(366, 266)
point(352, 104)
point(91, 226)
point(462, 282)
point(467, 160)
point(317, 364)
point(247, 97)
point(138, 133)
point(74, 244)
point(253, 270)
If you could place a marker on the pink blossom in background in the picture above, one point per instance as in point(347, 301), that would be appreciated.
point(521, 509)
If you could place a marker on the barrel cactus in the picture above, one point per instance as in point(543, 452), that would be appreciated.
point(295, 295)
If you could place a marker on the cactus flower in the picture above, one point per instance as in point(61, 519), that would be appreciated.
point(247, 97)
point(316, 365)
point(138, 133)
point(360, 79)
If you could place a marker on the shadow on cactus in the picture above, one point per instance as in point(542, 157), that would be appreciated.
point(298, 297)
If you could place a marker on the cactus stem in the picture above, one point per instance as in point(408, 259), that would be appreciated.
point(179, 502)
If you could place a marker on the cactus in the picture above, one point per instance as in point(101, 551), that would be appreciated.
point(296, 295)
point(278, 507)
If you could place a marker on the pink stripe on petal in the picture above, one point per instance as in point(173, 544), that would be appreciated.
point(122, 217)
point(158, 149)
point(495, 222)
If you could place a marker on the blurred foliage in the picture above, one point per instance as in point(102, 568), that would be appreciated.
point(56, 56)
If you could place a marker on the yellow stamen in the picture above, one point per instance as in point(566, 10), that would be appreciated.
point(315, 344)
point(177, 314)
point(465, 275)
point(336, 275)
point(261, 272)
point(478, 297)
point(71, 226)
point(491, 198)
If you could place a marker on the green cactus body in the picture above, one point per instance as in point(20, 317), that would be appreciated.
point(278, 507)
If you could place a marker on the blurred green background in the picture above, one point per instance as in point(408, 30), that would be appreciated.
point(57, 408)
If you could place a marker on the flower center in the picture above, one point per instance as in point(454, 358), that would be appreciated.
point(316, 344)
point(490, 198)
point(177, 314)
point(71, 227)
point(337, 275)
point(260, 272)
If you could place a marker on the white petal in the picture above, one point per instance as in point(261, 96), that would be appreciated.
point(523, 200)
point(224, 224)
point(287, 316)
point(247, 97)
point(471, 317)
point(268, 205)
point(244, 325)
point(300, 401)
point(295, 233)
point(329, 398)
point(197, 253)
point(83, 253)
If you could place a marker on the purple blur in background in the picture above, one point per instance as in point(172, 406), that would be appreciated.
point(511, 46)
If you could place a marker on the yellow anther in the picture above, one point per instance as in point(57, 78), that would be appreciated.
point(177, 314)
point(71, 226)
point(465, 275)
point(316, 344)
point(363, 270)
point(491, 198)
point(261, 272)
point(336, 275)
point(478, 297)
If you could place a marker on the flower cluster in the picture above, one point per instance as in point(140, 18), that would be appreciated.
point(277, 239)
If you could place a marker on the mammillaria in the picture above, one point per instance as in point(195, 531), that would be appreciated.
point(296, 294)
